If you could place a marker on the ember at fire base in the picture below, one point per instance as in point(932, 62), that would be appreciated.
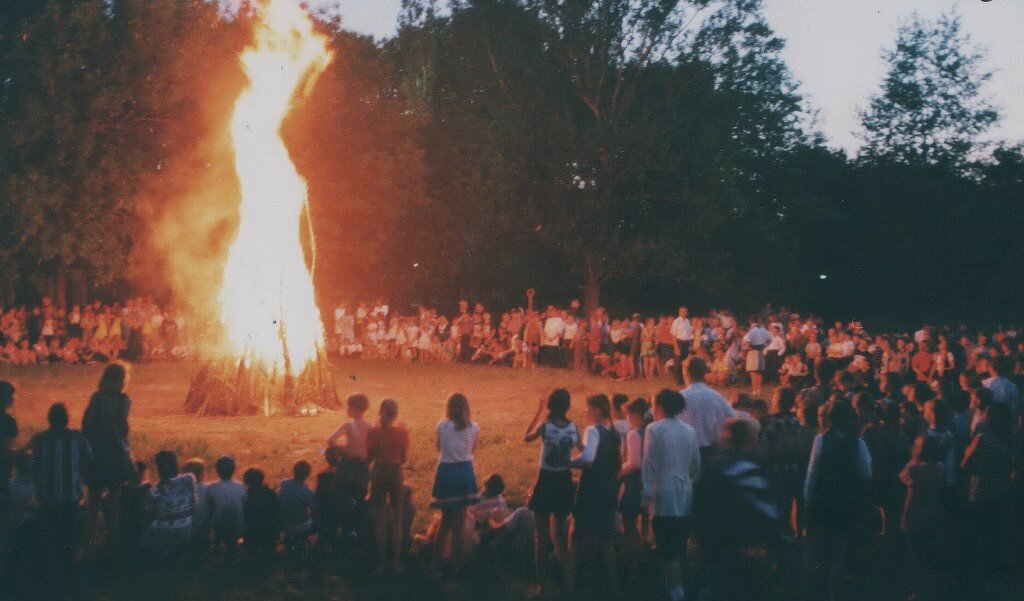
point(231, 387)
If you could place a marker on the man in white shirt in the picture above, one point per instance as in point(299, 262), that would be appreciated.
point(671, 464)
point(551, 340)
point(704, 408)
point(682, 331)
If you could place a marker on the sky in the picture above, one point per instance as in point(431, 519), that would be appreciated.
point(835, 47)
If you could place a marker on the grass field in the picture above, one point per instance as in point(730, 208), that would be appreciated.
point(502, 401)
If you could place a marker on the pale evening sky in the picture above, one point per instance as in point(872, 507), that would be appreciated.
point(835, 49)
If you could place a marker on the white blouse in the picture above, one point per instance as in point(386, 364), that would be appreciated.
point(456, 446)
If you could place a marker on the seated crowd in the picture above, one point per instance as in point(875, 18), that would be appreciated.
point(137, 330)
point(778, 347)
point(845, 456)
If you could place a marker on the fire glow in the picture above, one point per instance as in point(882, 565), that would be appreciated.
point(267, 301)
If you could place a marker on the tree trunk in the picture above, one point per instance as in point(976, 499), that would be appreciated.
point(60, 287)
point(591, 289)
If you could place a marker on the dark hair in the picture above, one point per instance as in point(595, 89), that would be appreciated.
point(759, 405)
point(697, 368)
point(738, 433)
point(301, 470)
point(928, 449)
point(195, 466)
point(226, 467)
point(494, 485)
point(842, 418)
point(809, 414)
point(458, 410)
point(845, 378)
point(358, 401)
point(57, 416)
point(6, 394)
point(1002, 365)
point(787, 399)
point(166, 465)
point(639, 407)
point(558, 404)
point(601, 404)
point(333, 455)
point(388, 412)
point(618, 400)
point(670, 401)
point(985, 397)
point(743, 401)
point(114, 377)
point(253, 477)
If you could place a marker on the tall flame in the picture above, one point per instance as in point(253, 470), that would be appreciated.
point(267, 302)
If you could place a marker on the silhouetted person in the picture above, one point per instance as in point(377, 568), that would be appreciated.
point(105, 425)
point(61, 460)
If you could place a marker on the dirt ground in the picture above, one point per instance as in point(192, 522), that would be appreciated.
point(502, 400)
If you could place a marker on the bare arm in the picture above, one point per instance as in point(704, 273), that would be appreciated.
point(534, 430)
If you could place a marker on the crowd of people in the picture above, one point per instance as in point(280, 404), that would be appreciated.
point(136, 330)
point(774, 347)
point(924, 456)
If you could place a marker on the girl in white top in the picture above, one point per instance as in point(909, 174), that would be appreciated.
point(455, 483)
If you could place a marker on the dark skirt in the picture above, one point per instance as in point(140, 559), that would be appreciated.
point(629, 497)
point(455, 486)
point(553, 492)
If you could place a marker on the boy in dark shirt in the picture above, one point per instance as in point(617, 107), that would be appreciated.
point(261, 511)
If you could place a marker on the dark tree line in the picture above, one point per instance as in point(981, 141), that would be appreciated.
point(624, 152)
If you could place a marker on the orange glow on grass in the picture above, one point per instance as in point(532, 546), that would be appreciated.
point(267, 304)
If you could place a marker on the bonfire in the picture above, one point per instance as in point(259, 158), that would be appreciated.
point(273, 359)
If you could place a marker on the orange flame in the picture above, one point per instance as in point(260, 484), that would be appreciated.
point(266, 299)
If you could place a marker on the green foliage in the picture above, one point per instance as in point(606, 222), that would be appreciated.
point(930, 110)
point(91, 100)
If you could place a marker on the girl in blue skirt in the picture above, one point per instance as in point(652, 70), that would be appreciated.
point(455, 483)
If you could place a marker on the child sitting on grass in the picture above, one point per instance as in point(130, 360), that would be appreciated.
point(492, 504)
point(227, 497)
point(261, 511)
point(298, 504)
point(201, 521)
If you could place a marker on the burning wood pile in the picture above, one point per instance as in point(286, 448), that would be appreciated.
point(244, 387)
point(267, 281)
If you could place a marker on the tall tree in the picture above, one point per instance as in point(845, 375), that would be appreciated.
point(96, 101)
point(930, 110)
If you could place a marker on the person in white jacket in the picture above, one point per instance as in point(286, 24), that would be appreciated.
point(671, 463)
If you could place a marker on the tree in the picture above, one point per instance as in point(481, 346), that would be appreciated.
point(97, 100)
point(930, 110)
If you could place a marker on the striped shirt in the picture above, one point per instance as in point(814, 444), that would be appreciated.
point(60, 459)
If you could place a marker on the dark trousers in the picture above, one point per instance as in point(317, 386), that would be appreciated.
point(825, 560)
point(465, 350)
point(58, 525)
point(550, 356)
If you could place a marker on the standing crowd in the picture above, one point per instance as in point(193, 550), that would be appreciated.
point(911, 446)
